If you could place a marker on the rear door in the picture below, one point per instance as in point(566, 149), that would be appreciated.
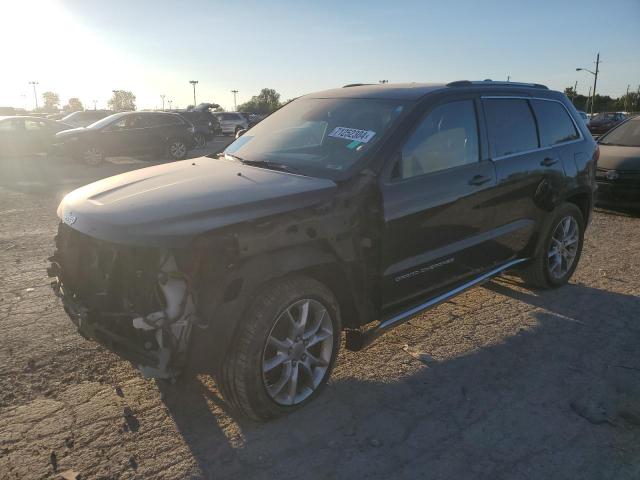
point(529, 175)
point(437, 205)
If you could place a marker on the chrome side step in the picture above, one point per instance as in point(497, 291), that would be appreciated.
point(357, 340)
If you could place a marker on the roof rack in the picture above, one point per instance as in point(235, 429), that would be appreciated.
point(356, 85)
point(468, 83)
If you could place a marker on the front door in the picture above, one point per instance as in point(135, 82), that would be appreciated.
point(438, 208)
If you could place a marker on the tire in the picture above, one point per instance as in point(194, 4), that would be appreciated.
point(177, 149)
point(542, 271)
point(201, 141)
point(92, 156)
point(256, 374)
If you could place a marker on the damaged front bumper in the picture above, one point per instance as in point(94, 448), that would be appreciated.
point(138, 304)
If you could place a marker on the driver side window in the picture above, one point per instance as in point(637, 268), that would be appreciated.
point(447, 137)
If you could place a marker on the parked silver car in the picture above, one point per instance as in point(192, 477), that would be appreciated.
point(232, 122)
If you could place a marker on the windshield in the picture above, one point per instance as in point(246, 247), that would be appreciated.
point(103, 122)
point(626, 135)
point(318, 136)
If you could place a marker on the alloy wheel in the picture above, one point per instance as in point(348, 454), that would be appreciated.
point(92, 156)
point(178, 150)
point(298, 352)
point(201, 142)
point(564, 247)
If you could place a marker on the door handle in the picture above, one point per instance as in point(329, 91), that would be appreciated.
point(479, 180)
point(547, 162)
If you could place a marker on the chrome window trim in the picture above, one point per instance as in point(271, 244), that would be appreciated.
point(525, 152)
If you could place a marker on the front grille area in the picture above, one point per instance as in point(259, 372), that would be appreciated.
point(105, 277)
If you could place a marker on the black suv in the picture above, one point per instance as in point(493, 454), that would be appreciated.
point(352, 209)
point(128, 133)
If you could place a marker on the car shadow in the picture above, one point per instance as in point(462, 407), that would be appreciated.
point(508, 408)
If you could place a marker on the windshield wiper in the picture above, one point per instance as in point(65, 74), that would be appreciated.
point(264, 164)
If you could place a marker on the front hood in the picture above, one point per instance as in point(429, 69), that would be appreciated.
point(168, 205)
point(71, 132)
point(619, 158)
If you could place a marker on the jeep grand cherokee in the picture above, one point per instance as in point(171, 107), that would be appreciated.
point(351, 209)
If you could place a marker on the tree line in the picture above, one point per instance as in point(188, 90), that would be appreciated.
point(604, 103)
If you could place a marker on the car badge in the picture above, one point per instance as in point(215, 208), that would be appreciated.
point(69, 218)
point(612, 175)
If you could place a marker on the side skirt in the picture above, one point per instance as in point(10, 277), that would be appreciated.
point(358, 340)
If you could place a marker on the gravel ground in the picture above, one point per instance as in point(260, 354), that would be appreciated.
point(501, 383)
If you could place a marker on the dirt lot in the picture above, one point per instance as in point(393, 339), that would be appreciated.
point(502, 383)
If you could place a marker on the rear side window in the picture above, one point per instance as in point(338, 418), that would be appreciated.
point(447, 137)
point(512, 128)
point(554, 123)
point(159, 120)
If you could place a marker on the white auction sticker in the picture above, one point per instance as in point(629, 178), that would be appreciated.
point(352, 134)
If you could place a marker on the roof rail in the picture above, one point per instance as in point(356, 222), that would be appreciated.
point(356, 85)
point(468, 83)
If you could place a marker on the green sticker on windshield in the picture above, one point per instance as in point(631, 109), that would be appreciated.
point(353, 144)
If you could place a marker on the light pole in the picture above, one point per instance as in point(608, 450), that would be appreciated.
point(194, 83)
point(35, 95)
point(95, 103)
point(169, 102)
point(235, 105)
point(595, 80)
point(162, 97)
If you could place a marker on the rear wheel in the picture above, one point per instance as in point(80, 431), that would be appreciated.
point(284, 351)
point(93, 156)
point(200, 140)
point(558, 255)
point(177, 149)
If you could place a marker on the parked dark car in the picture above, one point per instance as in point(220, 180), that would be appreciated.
point(23, 135)
point(85, 118)
point(206, 125)
point(603, 122)
point(618, 173)
point(355, 208)
point(128, 133)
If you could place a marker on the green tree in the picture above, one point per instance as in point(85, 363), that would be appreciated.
point(51, 101)
point(267, 101)
point(122, 100)
point(74, 105)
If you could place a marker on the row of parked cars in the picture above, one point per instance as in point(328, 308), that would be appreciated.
point(92, 135)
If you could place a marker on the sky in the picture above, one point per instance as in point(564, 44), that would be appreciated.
point(87, 48)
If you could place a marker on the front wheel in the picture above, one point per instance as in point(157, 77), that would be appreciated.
point(559, 253)
point(177, 149)
point(284, 351)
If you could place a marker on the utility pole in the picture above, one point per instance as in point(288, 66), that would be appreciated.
point(235, 105)
point(595, 82)
point(194, 83)
point(162, 97)
point(35, 95)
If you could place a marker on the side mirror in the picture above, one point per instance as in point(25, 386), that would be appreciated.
point(241, 132)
